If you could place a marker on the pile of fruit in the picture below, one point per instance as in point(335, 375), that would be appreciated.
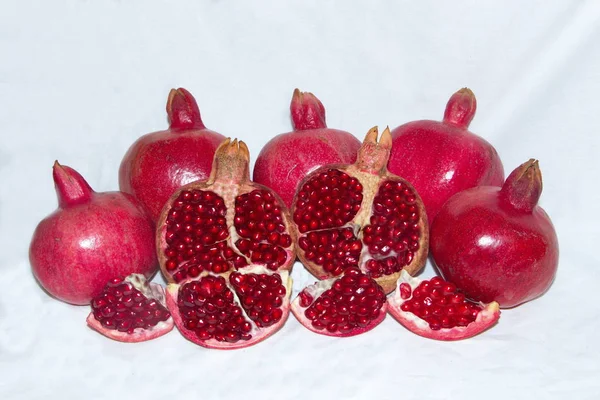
point(362, 218)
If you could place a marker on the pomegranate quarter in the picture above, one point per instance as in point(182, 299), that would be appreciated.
point(226, 246)
point(361, 216)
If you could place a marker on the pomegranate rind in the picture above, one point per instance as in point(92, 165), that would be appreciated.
point(316, 289)
point(486, 318)
point(152, 290)
point(258, 334)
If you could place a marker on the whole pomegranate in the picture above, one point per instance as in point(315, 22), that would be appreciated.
point(497, 244)
point(288, 157)
point(159, 163)
point(226, 245)
point(91, 238)
point(360, 215)
point(443, 158)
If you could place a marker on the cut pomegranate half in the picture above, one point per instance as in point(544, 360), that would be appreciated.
point(130, 310)
point(344, 306)
point(435, 309)
point(233, 310)
point(361, 215)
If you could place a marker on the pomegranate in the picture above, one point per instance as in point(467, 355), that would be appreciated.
point(288, 157)
point(159, 163)
point(91, 238)
point(360, 215)
point(225, 223)
point(131, 310)
point(232, 310)
point(343, 306)
point(497, 244)
point(443, 158)
point(436, 309)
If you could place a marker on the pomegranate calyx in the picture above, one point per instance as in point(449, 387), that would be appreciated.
point(183, 111)
point(71, 188)
point(523, 187)
point(231, 163)
point(307, 111)
point(461, 108)
point(373, 155)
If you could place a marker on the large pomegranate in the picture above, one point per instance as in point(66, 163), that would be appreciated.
point(497, 244)
point(361, 215)
point(91, 238)
point(230, 241)
point(159, 163)
point(288, 157)
point(443, 158)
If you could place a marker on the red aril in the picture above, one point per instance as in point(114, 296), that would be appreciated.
point(159, 163)
point(443, 158)
point(91, 238)
point(435, 309)
point(288, 157)
point(130, 310)
point(347, 305)
point(360, 215)
point(232, 310)
point(497, 244)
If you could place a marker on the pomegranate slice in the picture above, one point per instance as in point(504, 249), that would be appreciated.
point(435, 309)
point(361, 215)
point(130, 310)
point(344, 306)
point(225, 223)
point(232, 310)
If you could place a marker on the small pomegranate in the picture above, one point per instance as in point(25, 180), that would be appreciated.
point(91, 238)
point(225, 223)
point(288, 157)
point(131, 310)
point(497, 244)
point(360, 215)
point(436, 309)
point(159, 163)
point(347, 305)
point(443, 158)
point(232, 310)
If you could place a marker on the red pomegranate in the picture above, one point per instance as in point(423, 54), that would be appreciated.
point(91, 238)
point(360, 215)
point(497, 244)
point(288, 157)
point(159, 163)
point(229, 242)
point(347, 305)
point(130, 310)
point(443, 158)
point(435, 309)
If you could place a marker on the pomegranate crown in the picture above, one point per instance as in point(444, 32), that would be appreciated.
point(523, 187)
point(461, 108)
point(231, 162)
point(373, 155)
point(307, 111)
point(71, 188)
point(183, 111)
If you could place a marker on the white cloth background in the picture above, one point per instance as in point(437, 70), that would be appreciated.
point(81, 80)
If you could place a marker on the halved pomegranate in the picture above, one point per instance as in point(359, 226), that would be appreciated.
point(232, 310)
point(361, 215)
point(435, 309)
point(130, 310)
point(344, 306)
point(225, 223)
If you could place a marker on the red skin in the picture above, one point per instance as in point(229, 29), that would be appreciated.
point(287, 158)
point(497, 244)
point(91, 238)
point(443, 158)
point(159, 163)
